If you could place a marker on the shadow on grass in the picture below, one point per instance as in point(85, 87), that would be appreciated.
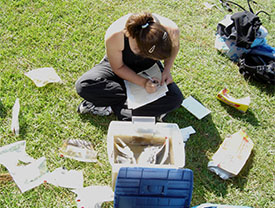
point(266, 88)
point(241, 178)
point(100, 122)
point(198, 149)
point(248, 116)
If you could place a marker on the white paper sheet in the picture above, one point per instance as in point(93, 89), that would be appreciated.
point(65, 178)
point(93, 196)
point(137, 96)
point(29, 176)
point(43, 76)
point(195, 107)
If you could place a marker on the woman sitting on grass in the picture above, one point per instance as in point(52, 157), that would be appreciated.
point(134, 43)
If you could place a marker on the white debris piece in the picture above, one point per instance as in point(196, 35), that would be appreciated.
point(43, 76)
point(15, 117)
point(195, 107)
point(29, 176)
point(186, 132)
point(93, 196)
point(65, 178)
point(11, 154)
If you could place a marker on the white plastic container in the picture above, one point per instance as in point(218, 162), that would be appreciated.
point(144, 131)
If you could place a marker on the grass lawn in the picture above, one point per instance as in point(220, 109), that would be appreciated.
point(68, 35)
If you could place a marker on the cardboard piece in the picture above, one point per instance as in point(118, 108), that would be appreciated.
point(208, 205)
point(29, 176)
point(11, 154)
point(231, 155)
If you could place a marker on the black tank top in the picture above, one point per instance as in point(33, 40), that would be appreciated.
point(133, 61)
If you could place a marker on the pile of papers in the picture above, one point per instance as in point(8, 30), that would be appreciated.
point(137, 95)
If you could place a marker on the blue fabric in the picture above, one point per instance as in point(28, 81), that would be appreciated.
point(265, 50)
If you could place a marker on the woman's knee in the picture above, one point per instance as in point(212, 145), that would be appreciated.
point(78, 86)
point(176, 95)
point(180, 98)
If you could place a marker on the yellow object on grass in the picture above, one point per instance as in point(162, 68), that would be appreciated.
point(241, 104)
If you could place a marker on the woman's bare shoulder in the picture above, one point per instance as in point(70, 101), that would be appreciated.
point(115, 41)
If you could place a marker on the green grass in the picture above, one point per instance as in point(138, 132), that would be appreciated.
point(68, 36)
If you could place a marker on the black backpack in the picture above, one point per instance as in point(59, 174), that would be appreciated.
point(258, 67)
point(243, 27)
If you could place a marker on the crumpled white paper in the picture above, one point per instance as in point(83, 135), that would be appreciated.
point(93, 196)
point(43, 76)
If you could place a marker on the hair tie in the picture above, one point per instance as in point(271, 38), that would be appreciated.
point(151, 50)
point(164, 35)
point(145, 25)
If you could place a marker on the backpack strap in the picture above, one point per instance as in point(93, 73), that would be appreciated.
point(231, 2)
point(250, 9)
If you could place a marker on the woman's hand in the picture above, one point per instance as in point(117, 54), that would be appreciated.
point(150, 86)
point(166, 78)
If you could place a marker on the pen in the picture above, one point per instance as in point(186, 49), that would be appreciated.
point(150, 78)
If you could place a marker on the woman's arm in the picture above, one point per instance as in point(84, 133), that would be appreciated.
point(168, 63)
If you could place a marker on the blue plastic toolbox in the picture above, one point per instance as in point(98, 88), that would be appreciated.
point(138, 187)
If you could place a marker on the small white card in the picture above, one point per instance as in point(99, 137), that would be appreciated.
point(195, 107)
point(186, 132)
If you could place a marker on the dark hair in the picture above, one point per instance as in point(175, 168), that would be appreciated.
point(152, 38)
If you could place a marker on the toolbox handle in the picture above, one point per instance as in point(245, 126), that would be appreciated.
point(143, 119)
point(153, 187)
point(144, 125)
